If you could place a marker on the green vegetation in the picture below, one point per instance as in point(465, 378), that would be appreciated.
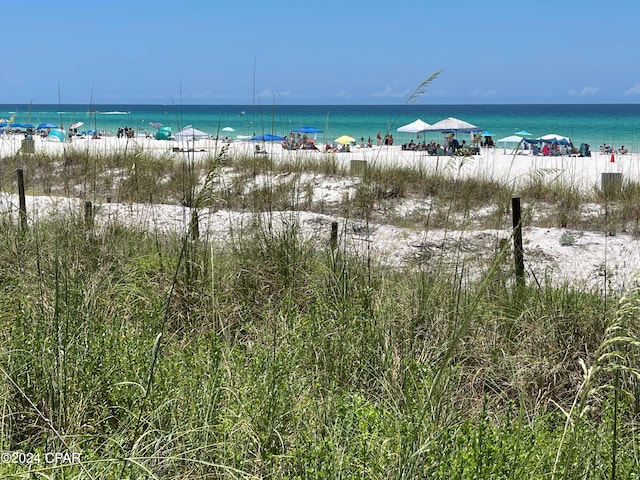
point(270, 356)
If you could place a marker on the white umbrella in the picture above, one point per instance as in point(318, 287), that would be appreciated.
point(228, 129)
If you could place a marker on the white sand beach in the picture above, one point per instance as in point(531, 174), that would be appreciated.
point(594, 259)
point(497, 164)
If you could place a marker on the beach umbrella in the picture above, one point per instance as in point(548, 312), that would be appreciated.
point(46, 125)
point(488, 134)
point(157, 125)
point(20, 125)
point(267, 137)
point(416, 126)
point(307, 129)
point(77, 125)
point(344, 140)
point(228, 129)
point(524, 133)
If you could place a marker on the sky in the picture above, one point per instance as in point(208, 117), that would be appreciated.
point(326, 52)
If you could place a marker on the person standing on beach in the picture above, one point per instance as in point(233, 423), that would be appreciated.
point(379, 138)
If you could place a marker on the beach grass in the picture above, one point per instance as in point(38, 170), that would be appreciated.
point(170, 355)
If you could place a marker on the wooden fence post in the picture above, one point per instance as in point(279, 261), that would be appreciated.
point(88, 215)
point(23, 200)
point(195, 225)
point(518, 250)
point(334, 236)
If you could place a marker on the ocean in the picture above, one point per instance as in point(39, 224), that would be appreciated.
point(595, 124)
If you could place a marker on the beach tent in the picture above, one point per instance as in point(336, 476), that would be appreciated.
point(513, 141)
point(510, 139)
point(414, 127)
point(555, 138)
point(453, 125)
point(163, 133)
point(56, 135)
point(189, 133)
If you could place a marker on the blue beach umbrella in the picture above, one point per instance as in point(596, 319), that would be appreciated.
point(46, 125)
point(307, 129)
point(21, 125)
point(523, 133)
point(267, 137)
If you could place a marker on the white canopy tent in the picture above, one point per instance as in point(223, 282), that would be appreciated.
point(554, 136)
point(452, 124)
point(190, 133)
point(509, 139)
point(414, 127)
point(512, 141)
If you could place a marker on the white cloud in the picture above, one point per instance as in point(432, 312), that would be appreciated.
point(271, 94)
point(438, 92)
point(634, 90)
point(388, 92)
point(482, 93)
point(342, 94)
point(584, 92)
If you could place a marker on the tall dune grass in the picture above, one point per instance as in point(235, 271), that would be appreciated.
point(160, 355)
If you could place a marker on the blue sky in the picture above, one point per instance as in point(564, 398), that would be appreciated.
point(324, 52)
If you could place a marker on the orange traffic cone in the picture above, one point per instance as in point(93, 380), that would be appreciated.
point(613, 158)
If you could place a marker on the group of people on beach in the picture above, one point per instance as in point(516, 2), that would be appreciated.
point(125, 132)
point(386, 140)
point(299, 142)
point(610, 149)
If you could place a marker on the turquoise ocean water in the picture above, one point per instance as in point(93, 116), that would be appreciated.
point(615, 124)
